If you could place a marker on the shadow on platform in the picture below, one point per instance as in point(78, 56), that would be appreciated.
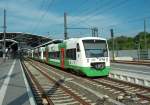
point(20, 100)
point(55, 87)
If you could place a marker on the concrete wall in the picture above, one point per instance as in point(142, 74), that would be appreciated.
point(128, 53)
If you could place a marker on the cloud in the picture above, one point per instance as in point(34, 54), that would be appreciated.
point(27, 16)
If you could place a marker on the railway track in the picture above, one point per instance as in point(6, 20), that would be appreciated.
point(40, 95)
point(123, 92)
point(48, 91)
point(126, 90)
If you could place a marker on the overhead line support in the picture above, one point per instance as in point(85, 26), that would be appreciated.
point(4, 37)
point(113, 44)
point(65, 26)
point(145, 39)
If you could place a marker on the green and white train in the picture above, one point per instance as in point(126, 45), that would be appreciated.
point(88, 55)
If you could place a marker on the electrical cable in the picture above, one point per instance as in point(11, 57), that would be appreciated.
point(100, 12)
point(42, 16)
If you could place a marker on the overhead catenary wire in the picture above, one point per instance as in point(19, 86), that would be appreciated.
point(90, 11)
point(82, 4)
point(43, 16)
point(87, 11)
point(41, 8)
point(131, 31)
point(98, 5)
point(130, 21)
point(111, 7)
point(100, 12)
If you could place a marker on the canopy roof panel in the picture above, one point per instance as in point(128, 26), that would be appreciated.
point(28, 38)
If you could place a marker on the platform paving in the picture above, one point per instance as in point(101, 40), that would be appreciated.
point(14, 89)
point(1, 60)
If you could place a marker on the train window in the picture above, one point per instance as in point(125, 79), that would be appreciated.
point(95, 48)
point(54, 55)
point(58, 54)
point(78, 47)
point(50, 54)
point(68, 53)
point(71, 54)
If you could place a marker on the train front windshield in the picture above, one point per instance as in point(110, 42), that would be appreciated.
point(95, 48)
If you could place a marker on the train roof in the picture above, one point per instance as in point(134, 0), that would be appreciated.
point(51, 42)
point(56, 41)
point(86, 38)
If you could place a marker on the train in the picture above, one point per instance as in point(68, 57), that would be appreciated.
point(87, 56)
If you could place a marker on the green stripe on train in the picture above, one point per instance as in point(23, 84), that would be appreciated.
point(54, 63)
point(91, 72)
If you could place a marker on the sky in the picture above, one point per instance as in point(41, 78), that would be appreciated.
point(46, 17)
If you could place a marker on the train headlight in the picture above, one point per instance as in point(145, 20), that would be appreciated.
point(100, 65)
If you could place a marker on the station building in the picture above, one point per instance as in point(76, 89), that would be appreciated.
point(18, 41)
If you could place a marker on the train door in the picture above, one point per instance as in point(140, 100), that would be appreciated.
point(47, 55)
point(38, 53)
point(62, 57)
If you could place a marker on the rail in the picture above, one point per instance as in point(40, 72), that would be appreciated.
point(60, 85)
point(140, 91)
point(35, 84)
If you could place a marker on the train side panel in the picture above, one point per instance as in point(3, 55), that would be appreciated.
point(54, 55)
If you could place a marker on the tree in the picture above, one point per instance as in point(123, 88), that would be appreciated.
point(128, 43)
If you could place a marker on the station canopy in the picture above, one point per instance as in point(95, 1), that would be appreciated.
point(29, 39)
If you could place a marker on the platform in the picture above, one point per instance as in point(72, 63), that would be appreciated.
point(14, 88)
point(1, 60)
